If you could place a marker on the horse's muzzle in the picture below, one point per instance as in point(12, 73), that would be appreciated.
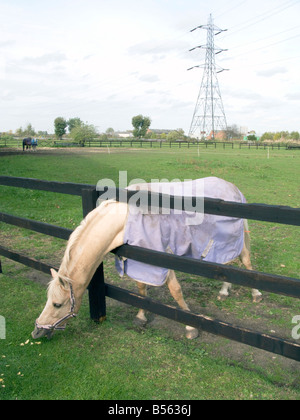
point(42, 332)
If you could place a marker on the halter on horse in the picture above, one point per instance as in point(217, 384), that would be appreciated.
point(50, 328)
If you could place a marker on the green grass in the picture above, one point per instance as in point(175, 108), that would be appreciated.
point(116, 360)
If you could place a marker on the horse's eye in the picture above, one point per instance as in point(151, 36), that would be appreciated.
point(57, 305)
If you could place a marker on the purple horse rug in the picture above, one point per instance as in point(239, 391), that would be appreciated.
point(203, 236)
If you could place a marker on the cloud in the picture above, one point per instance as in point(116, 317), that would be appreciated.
point(293, 96)
point(131, 57)
point(242, 94)
point(158, 48)
point(7, 95)
point(56, 57)
point(8, 43)
point(149, 78)
point(272, 72)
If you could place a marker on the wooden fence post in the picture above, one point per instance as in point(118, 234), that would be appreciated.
point(97, 299)
point(96, 287)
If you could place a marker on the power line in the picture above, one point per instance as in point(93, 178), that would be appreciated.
point(267, 46)
point(231, 9)
point(262, 39)
point(262, 17)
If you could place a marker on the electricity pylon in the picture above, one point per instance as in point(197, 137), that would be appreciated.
point(209, 115)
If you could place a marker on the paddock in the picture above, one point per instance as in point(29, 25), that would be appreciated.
point(98, 290)
point(112, 289)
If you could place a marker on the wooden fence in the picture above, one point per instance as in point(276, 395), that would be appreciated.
point(98, 290)
point(158, 144)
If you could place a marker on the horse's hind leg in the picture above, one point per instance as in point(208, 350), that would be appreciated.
point(224, 292)
point(245, 258)
point(176, 292)
point(141, 319)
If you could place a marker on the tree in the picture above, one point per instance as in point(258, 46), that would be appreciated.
point(60, 125)
point(233, 131)
point(141, 125)
point(176, 135)
point(295, 135)
point(110, 132)
point(267, 136)
point(19, 132)
point(284, 134)
point(277, 136)
point(29, 130)
point(73, 122)
point(84, 132)
point(42, 133)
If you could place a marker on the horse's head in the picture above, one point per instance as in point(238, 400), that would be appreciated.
point(59, 308)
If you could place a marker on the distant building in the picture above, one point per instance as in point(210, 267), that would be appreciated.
point(219, 135)
point(124, 134)
point(243, 130)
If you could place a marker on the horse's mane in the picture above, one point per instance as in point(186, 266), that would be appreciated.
point(78, 232)
point(74, 238)
point(52, 286)
point(73, 241)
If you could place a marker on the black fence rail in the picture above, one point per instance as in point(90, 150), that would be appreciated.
point(149, 143)
point(98, 290)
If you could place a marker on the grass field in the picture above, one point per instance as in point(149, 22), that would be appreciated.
point(116, 360)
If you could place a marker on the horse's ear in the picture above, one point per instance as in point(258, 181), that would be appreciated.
point(63, 283)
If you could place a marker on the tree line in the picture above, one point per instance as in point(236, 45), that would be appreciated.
point(81, 132)
point(141, 124)
point(293, 135)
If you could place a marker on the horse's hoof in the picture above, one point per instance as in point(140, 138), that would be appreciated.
point(257, 299)
point(222, 297)
point(192, 333)
point(140, 323)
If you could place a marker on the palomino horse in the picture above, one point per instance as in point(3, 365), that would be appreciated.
point(104, 229)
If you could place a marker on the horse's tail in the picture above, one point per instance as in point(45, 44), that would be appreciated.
point(247, 235)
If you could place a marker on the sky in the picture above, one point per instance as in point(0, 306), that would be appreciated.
point(106, 61)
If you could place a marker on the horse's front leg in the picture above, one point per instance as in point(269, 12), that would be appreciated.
point(176, 292)
point(141, 319)
point(224, 292)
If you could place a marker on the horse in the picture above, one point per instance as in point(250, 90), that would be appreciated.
point(26, 143)
point(103, 230)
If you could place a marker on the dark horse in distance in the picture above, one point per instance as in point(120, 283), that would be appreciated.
point(27, 143)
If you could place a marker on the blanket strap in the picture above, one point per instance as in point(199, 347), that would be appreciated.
point(207, 249)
